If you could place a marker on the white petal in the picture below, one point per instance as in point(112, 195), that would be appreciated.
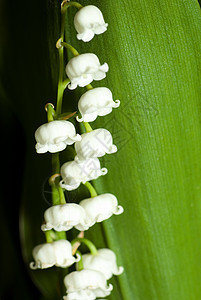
point(54, 136)
point(104, 261)
point(89, 21)
point(101, 207)
point(96, 102)
point(74, 172)
point(64, 217)
point(86, 280)
point(95, 144)
point(81, 295)
point(58, 253)
point(82, 69)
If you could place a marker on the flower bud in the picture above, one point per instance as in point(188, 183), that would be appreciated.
point(75, 172)
point(94, 144)
point(96, 102)
point(89, 21)
point(104, 261)
point(101, 207)
point(64, 217)
point(83, 69)
point(55, 136)
point(58, 253)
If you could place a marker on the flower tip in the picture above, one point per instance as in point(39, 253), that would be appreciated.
point(104, 67)
point(120, 210)
point(110, 288)
point(78, 137)
point(117, 103)
point(72, 86)
point(119, 271)
point(79, 119)
point(78, 257)
point(104, 171)
point(113, 149)
point(32, 265)
point(44, 227)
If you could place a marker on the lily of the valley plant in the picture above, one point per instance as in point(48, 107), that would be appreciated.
point(93, 269)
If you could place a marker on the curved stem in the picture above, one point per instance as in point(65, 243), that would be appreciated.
point(71, 48)
point(91, 189)
point(88, 243)
point(65, 4)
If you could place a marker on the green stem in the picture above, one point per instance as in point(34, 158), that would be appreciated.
point(61, 235)
point(89, 87)
point(62, 84)
point(87, 127)
point(71, 48)
point(57, 192)
point(48, 236)
point(61, 195)
point(66, 4)
point(88, 243)
point(61, 89)
point(50, 113)
point(91, 189)
point(80, 262)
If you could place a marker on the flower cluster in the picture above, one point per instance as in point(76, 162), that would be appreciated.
point(93, 269)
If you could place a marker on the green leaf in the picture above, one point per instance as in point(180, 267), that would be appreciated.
point(153, 51)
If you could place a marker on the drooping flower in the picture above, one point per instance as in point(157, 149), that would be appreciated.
point(96, 102)
point(104, 261)
point(55, 136)
point(101, 207)
point(58, 253)
point(83, 69)
point(64, 217)
point(80, 295)
point(86, 284)
point(94, 144)
point(75, 172)
point(89, 21)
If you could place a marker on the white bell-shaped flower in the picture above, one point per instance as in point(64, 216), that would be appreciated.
point(75, 172)
point(104, 261)
point(96, 102)
point(58, 253)
point(101, 207)
point(89, 21)
point(64, 217)
point(80, 295)
point(94, 144)
point(86, 283)
point(55, 136)
point(83, 69)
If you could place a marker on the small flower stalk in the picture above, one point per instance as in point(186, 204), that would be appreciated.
point(88, 281)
